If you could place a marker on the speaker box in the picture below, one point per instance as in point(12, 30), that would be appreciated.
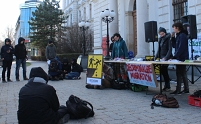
point(151, 34)
point(189, 23)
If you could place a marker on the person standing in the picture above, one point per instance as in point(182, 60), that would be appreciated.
point(7, 52)
point(180, 43)
point(50, 51)
point(119, 49)
point(21, 57)
point(165, 48)
point(38, 101)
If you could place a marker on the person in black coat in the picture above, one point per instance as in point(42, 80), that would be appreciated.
point(180, 43)
point(76, 70)
point(165, 48)
point(66, 67)
point(7, 52)
point(111, 45)
point(21, 57)
point(38, 101)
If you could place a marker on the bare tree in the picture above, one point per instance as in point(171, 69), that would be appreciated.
point(72, 40)
point(8, 33)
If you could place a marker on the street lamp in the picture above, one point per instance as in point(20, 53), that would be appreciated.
point(84, 26)
point(107, 17)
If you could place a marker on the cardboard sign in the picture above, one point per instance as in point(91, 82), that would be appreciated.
point(142, 74)
point(94, 69)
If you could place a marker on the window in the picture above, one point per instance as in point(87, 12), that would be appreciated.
point(180, 8)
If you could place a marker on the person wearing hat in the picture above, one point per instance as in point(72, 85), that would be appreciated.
point(21, 57)
point(50, 51)
point(7, 52)
point(38, 101)
point(164, 53)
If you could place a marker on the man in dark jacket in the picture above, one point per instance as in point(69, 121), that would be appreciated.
point(66, 67)
point(180, 43)
point(165, 48)
point(38, 101)
point(76, 70)
point(50, 51)
point(7, 52)
point(21, 57)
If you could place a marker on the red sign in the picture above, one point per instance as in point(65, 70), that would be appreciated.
point(104, 46)
point(142, 74)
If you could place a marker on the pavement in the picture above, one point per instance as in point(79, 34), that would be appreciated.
point(110, 106)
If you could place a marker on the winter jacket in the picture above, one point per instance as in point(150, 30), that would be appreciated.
point(165, 47)
point(4, 54)
point(119, 49)
point(50, 51)
point(66, 66)
point(20, 50)
point(111, 46)
point(76, 67)
point(180, 43)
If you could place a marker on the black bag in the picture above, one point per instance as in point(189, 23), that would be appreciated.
point(78, 108)
point(170, 102)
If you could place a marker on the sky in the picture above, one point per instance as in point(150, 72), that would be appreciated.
point(9, 13)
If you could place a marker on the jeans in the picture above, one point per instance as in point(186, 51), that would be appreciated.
point(71, 75)
point(18, 63)
point(6, 65)
point(164, 72)
point(181, 75)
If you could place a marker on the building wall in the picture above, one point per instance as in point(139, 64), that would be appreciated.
point(147, 10)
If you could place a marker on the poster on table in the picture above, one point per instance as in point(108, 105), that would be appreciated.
point(94, 69)
point(142, 74)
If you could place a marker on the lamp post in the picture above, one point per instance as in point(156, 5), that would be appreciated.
point(84, 26)
point(107, 16)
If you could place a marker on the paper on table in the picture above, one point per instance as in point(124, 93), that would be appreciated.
point(174, 60)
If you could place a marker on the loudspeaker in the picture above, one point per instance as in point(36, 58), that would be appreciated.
point(151, 34)
point(190, 25)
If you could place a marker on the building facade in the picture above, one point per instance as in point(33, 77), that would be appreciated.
point(130, 18)
point(22, 25)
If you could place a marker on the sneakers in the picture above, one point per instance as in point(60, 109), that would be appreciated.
point(175, 92)
point(76, 78)
point(64, 119)
point(166, 89)
point(9, 80)
point(4, 81)
point(26, 78)
point(184, 91)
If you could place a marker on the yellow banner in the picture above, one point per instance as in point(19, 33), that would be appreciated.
point(95, 65)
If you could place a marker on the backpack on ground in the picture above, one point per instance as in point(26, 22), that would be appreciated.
point(53, 67)
point(79, 108)
point(164, 101)
point(158, 99)
point(170, 102)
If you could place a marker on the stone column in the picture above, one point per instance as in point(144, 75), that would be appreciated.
point(113, 26)
point(142, 17)
point(129, 30)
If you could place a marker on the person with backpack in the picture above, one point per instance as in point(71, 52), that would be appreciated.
point(55, 69)
point(7, 52)
point(21, 57)
point(38, 101)
point(76, 70)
